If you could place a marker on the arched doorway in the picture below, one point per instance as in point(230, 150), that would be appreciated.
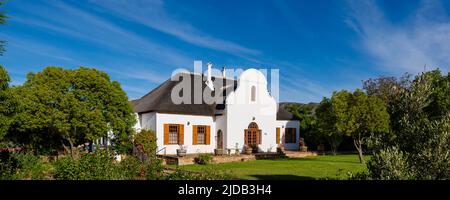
point(253, 135)
point(219, 139)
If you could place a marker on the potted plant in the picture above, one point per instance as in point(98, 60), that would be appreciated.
point(181, 151)
point(280, 148)
point(248, 149)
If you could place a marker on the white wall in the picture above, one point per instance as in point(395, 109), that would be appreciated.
point(138, 125)
point(148, 121)
point(241, 111)
point(289, 124)
point(162, 119)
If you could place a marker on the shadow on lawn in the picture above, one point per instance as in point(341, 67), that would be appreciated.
point(282, 177)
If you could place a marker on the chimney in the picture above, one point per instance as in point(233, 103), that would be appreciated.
point(209, 72)
point(209, 82)
point(224, 72)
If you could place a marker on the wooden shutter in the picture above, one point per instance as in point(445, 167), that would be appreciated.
point(278, 136)
point(246, 136)
point(194, 134)
point(166, 133)
point(286, 135)
point(208, 135)
point(181, 134)
point(259, 137)
point(294, 135)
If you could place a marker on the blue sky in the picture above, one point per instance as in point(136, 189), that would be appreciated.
point(319, 46)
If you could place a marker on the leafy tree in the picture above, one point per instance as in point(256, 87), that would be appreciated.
point(418, 145)
point(308, 126)
point(63, 108)
point(352, 114)
point(363, 116)
point(326, 124)
point(8, 104)
point(440, 96)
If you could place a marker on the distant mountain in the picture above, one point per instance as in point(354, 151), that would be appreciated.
point(310, 105)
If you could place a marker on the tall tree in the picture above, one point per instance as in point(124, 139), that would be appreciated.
point(358, 116)
point(368, 116)
point(72, 107)
point(327, 124)
point(7, 103)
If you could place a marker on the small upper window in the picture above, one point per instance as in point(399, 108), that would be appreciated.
point(253, 93)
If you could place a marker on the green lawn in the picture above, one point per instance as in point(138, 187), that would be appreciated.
point(309, 168)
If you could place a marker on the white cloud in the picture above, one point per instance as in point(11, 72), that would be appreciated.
point(423, 40)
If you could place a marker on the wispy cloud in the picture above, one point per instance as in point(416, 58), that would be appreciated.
point(81, 24)
point(35, 47)
point(142, 74)
point(425, 40)
point(151, 13)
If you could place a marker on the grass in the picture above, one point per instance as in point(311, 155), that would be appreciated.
point(309, 168)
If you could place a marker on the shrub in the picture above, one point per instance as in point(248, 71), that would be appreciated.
point(153, 169)
point(93, 166)
point(98, 166)
point(21, 166)
point(210, 173)
point(67, 169)
point(203, 159)
point(130, 168)
point(146, 141)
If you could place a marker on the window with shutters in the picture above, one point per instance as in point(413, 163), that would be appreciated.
point(290, 135)
point(201, 134)
point(173, 133)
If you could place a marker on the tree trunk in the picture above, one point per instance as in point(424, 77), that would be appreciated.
point(64, 146)
point(71, 147)
point(358, 144)
point(333, 149)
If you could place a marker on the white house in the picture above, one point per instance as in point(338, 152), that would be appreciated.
point(245, 114)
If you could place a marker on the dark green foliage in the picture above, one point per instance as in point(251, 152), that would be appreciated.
point(153, 169)
point(63, 108)
point(19, 166)
point(145, 140)
point(203, 159)
point(8, 103)
point(130, 168)
point(67, 169)
point(417, 146)
point(326, 124)
point(308, 123)
point(101, 165)
point(209, 173)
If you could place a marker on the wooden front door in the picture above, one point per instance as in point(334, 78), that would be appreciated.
point(219, 139)
point(253, 135)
